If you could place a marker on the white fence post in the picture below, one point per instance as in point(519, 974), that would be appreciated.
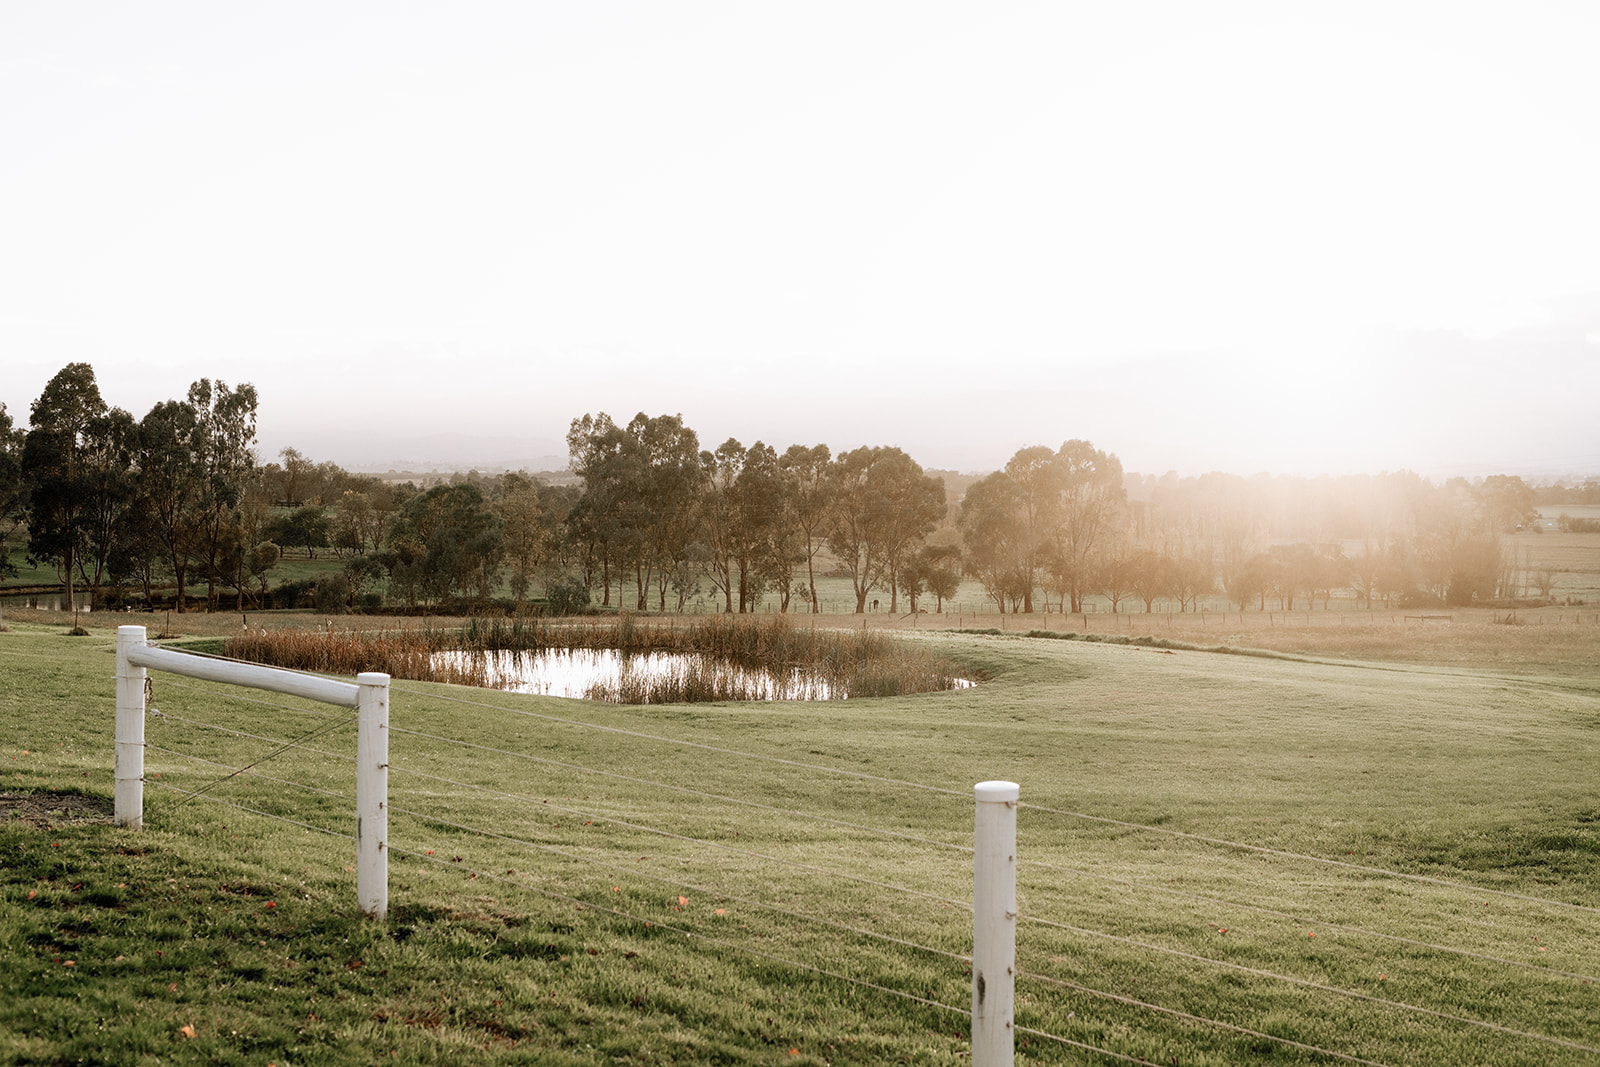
point(129, 774)
point(372, 794)
point(369, 696)
point(994, 923)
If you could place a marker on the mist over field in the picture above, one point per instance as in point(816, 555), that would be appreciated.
point(1228, 237)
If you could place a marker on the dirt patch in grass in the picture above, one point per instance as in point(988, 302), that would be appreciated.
point(46, 810)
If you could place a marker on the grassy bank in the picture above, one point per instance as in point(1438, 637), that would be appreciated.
point(534, 846)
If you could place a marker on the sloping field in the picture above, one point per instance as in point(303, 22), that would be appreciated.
point(1222, 859)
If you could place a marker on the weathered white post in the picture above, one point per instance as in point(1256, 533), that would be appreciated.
point(128, 777)
point(994, 923)
point(372, 794)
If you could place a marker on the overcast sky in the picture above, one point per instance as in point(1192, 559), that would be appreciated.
point(1281, 236)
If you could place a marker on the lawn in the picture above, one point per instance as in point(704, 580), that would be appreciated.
point(1219, 854)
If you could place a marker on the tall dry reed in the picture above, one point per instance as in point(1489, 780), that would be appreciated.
point(771, 658)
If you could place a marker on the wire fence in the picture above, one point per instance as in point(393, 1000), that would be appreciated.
point(839, 866)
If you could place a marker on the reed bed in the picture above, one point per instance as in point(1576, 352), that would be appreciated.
point(729, 658)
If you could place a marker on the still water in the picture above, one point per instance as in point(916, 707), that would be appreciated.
point(580, 672)
point(44, 602)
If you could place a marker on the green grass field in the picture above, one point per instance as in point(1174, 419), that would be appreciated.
point(578, 883)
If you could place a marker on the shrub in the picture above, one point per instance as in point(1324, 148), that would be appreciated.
point(290, 595)
point(332, 594)
point(567, 596)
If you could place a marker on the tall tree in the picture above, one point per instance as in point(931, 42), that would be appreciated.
point(1038, 479)
point(761, 549)
point(884, 505)
point(13, 491)
point(291, 481)
point(1089, 498)
point(55, 468)
point(995, 534)
point(666, 499)
point(809, 493)
point(170, 474)
point(600, 454)
point(521, 520)
point(446, 542)
point(110, 507)
point(225, 424)
point(719, 518)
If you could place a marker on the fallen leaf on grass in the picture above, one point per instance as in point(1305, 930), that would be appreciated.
point(187, 1030)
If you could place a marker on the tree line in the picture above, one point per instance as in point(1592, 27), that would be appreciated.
point(132, 508)
point(1071, 523)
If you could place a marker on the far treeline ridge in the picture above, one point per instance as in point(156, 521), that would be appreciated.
point(141, 511)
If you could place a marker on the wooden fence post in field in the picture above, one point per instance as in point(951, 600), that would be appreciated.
point(128, 798)
point(994, 923)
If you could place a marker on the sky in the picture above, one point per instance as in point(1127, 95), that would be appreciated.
point(1277, 237)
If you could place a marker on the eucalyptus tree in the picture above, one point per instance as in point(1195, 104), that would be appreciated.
point(642, 485)
point(884, 505)
point(362, 513)
point(809, 495)
point(1115, 578)
point(524, 533)
point(1038, 478)
point(170, 474)
point(718, 517)
point(56, 468)
point(669, 491)
point(1191, 578)
point(225, 433)
point(13, 493)
point(940, 567)
point(110, 517)
point(446, 542)
point(747, 504)
point(1088, 500)
point(290, 480)
point(1149, 576)
point(600, 454)
point(995, 533)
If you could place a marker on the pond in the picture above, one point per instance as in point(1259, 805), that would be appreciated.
point(637, 678)
point(44, 602)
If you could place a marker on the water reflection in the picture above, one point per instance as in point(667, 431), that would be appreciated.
point(606, 674)
point(44, 602)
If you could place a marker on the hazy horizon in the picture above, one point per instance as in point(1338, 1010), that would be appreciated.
point(1242, 237)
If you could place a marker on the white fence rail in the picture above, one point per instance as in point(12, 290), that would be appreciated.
point(369, 696)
